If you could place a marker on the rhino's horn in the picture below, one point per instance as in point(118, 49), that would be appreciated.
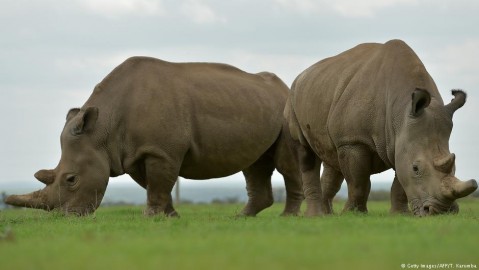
point(458, 101)
point(464, 188)
point(445, 164)
point(45, 176)
point(31, 200)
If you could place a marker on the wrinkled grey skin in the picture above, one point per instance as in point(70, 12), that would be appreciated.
point(366, 110)
point(156, 120)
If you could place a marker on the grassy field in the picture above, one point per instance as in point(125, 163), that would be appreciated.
point(210, 237)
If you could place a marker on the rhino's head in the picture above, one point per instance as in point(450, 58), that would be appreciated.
point(424, 165)
point(79, 181)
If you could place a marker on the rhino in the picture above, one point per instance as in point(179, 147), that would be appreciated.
point(369, 109)
point(156, 120)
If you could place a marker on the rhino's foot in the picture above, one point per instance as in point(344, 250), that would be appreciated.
point(251, 211)
point(356, 208)
point(292, 208)
point(153, 211)
point(312, 213)
point(254, 206)
point(327, 207)
point(313, 209)
point(172, 214)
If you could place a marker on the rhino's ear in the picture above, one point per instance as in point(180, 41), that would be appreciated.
point(458, 101)
point(86, 121)
point(420, 100)
point(72, 113)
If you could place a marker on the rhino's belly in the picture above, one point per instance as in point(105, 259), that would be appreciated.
point(223, 152)
point(209, 168)
point(214, 165)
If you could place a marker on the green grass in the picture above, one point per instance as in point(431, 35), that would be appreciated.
point(210, 237)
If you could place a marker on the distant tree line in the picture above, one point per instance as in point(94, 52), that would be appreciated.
point(279, 194)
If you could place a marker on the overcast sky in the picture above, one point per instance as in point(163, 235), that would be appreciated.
point(53, 52)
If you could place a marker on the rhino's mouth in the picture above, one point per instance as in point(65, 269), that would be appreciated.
point(78, 210)
point(433, 206)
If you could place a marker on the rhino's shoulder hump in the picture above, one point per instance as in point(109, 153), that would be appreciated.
point(395, 43)
point(269, 76)
point(139, 60)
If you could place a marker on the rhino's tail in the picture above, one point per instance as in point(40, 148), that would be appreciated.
point(292, 122)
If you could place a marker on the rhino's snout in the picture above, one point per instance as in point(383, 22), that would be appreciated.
point(435, 207)
point(79, 211)
point(429, 210)
point(426, 210)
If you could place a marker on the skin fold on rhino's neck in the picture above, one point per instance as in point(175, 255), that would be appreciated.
point(108, 126)
point(399, 107)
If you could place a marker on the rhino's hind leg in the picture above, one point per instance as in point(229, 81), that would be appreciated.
point(331, 181)
point(356, 165)
point(399, 202)
point(160, 177)
point(310, 166)
point(286, 162)
point(294, 193)
point(258, 185)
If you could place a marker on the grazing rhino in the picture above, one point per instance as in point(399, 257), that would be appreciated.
point(366, 110)
point(156, 120)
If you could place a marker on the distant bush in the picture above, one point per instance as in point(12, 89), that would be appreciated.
point(186, 202)
point(279, 194)
point(228, 200)
point(116, 203)
point(379, 195)
point(3, 196)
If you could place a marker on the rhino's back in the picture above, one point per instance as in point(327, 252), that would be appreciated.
point(214, 119)
point(344, 99)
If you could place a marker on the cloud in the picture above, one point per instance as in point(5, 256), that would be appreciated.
point(199, 12)
point(345, 8)
point(365, 8)
point(192, 10)
point(84, 63)
point(117, 8)
point(464, 56)
point(454, 64)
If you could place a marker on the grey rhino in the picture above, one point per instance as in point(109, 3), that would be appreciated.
point(157, 120)
point(366, 110)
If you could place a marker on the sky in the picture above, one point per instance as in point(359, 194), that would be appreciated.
point(53, 53)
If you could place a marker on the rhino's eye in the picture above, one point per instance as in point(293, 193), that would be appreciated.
point(415, 168)
point(71, 180)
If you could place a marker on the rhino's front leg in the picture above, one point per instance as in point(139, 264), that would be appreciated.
point(399, 202)
point(161, 176)
point(356, 165)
